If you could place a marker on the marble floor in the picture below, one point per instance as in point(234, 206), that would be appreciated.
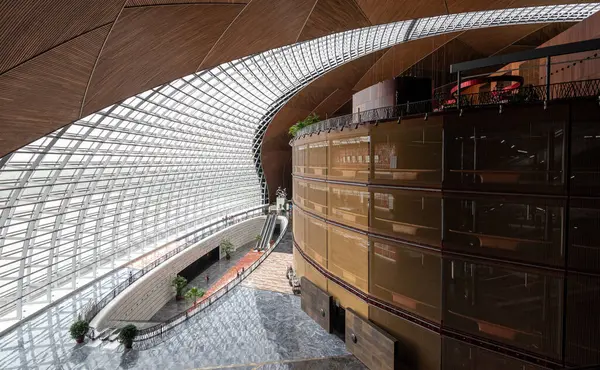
point(248, 328)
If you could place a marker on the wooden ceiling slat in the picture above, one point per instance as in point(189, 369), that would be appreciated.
point(150, 46)
point(261, 26)
point(45, 94)
point(131, 3)
point(386, 11)
point(332, 16)
point(29, 28)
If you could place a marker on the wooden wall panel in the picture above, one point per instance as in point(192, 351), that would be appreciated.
point(131, 3)
point(150, 46)
point(331, 16)
point(316, 303)
point(261, 26)
point(45, 94)
point(371, 345)
point(386, 11)
point(28, 28)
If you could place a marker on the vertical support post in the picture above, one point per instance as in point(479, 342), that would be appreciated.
point(458, 91)
point(548, 71)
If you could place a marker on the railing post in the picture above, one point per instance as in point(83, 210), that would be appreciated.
point(548, 71)
point(458, 91)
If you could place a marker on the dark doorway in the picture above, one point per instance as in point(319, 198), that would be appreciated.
point(338, 320)
point(276, 231)
point(196, 268)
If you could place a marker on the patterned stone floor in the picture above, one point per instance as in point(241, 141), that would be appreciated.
point(247, 329)
point(333, 363)
point(271, 274)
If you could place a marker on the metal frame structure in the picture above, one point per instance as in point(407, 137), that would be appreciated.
point(134, 176)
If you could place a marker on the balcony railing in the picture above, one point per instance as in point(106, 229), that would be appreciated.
point(526, 94)
point(94, 307)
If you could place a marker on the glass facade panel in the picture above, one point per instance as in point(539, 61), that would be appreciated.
point(582, 334)
point(585, 149)
point(519, 228)
point(407, 215)
point(516, 307)
point(584, 243)
point(317, 198)
point(408, 277)
point(316, 240)
point(408, 154)
point(349, 156)
point(348, 256)
point(506, 153)
point(318, 153)
point(349, 205)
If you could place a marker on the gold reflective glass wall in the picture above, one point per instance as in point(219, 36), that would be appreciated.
point(349, 156)
point(318, 155)
point(407, 277)
point(316, 197)
point(349, 205)
point(408, 154)
point(348, 256)
point(408, 215)
point(316, 240)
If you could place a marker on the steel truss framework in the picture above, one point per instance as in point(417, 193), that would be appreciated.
point(94, 194)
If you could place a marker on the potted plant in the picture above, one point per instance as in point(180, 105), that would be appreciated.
point(194, 293)
point(226, 247)
point(257, 238)
point(179, 282)
point(127, 335)
point(78, 330)
point(312, 118)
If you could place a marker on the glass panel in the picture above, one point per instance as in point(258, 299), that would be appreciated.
point(584, 243)
point(349, 205)
point(582, 334)
point(348, 256)
point(317, 156)
point(299, 227)
point(528, 229)
point(507, 152)
point(585, 151)
point(317, 198)
point(409, 153)
point(349, 155)
point(458, 355)
point(516, 307)
point(316, 240)
point(407, 277)
point(407, 215)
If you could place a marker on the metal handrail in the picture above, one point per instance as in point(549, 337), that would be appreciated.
point(160, 329)
point(526, 94)
point(90, 310)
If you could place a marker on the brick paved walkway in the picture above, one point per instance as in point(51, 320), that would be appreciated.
point(271, 274)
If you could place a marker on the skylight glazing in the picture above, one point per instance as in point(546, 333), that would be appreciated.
point(93, 195)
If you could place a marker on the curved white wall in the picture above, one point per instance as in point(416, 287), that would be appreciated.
point(146, 296)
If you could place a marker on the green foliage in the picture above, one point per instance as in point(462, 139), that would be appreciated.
point(127, 335)
point(258, 238)
point(179, 282)
point(78, 329)
point(194, 293)
point(312, 118)
point(226, 246)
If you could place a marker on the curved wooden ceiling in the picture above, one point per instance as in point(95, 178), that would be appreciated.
point(83, 56)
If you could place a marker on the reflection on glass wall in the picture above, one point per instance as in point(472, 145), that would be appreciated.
point(458, 355)
point(583, 321)
point(317, 157)
point(407, 277)
point(299, 154)
point(349, 156)
point(409, 154)
point(525, 229)
point(407, 215)
point(584, 245)
point(300, 192)
point(298, 226)
point(502, 154)
point(348, 256)
point(317, 198)
point(519, 308)
point(585, 151)
point(316, 240)
point(349, 205)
